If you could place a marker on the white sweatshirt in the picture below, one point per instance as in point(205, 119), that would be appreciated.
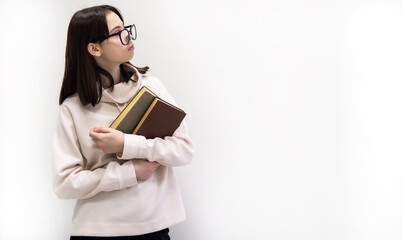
point(111, 201)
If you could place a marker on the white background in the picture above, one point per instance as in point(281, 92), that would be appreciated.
point(295, 109)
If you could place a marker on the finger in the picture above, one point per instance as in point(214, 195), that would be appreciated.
point(96, 137)
point(155, 164)
point(94, 130)
point(103, 130)
point(93, 133)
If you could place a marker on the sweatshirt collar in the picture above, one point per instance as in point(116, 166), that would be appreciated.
point(124, 91)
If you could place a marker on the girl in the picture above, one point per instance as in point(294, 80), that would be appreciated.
point(124, 183)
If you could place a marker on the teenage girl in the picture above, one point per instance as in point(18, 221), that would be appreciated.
point(124, 183)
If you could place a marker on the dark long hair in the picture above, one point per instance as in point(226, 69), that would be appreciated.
point(81, 73)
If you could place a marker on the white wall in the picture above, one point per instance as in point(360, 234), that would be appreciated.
point(294, 108)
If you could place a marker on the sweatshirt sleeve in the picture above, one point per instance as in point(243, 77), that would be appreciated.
point(71, 180)
point(173, 151)
point(176, 150)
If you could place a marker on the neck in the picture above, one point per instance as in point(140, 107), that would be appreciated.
point(114, 71)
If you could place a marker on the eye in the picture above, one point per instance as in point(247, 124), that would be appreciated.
point(116, 29)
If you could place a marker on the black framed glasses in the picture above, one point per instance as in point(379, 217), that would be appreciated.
point(129, 32)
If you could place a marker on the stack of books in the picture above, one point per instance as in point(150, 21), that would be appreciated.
point(149, 116)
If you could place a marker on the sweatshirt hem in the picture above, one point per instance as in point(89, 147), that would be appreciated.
point(110, 230)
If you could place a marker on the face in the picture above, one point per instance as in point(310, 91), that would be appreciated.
point(112, 50)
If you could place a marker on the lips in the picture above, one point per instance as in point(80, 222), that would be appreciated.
point(131, 48)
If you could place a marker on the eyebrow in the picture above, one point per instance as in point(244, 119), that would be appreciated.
point(113, 29)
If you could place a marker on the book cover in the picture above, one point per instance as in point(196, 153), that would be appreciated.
point(160, 120)
point(131, 115)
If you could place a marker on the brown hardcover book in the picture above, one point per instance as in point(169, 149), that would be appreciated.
point(131, 115)
point(160, 120)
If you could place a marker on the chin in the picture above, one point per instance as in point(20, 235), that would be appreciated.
point(130, 56)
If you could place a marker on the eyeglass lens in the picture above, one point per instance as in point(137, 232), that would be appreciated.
point(125, 35)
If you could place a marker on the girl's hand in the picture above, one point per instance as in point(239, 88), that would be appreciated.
point(144, 169)
point(108, 139)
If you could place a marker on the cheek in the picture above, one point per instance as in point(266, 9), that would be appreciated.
point(118, 54)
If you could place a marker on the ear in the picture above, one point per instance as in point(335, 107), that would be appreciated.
point(94, 49)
